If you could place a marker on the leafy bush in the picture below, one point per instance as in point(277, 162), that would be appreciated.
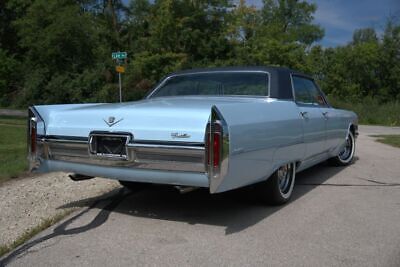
point(371, 111)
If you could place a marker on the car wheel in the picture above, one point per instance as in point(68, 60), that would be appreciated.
point(133, 186)
point(345, 156)
point(278, 188)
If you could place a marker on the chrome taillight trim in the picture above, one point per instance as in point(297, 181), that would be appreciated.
point(34, 149)
point(215, 173)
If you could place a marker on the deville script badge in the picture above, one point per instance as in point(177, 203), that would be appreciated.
point(180, 135)
point(111, 121)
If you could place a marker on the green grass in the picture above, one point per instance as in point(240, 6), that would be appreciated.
point(13, 160)
point(393, 140)
point(34, 231)
point(370, 111)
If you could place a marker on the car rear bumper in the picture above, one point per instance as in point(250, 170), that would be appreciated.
point(144, 162)
point(195, 179)
point(151, 156)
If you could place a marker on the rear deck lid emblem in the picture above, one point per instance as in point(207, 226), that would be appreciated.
point(111, 121)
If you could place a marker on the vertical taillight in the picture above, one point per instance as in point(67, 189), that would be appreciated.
point(216, 139)
point(207, 145)
point(217, 146)
point(33, 120)
point(213, 145)
point(33, 135)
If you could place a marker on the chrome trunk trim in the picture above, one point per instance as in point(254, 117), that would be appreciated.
point(139, 155)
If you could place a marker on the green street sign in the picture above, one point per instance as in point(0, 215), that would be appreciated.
point(119, 55)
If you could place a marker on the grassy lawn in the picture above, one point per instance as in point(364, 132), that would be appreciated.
point(393, 140)
point(12, 147)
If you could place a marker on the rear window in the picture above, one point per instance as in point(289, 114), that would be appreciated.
point(215, 83)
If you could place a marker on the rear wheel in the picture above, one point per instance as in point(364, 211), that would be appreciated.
point(345, 156)
point(278, 188)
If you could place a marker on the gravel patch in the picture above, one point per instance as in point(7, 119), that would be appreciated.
point(25, 203)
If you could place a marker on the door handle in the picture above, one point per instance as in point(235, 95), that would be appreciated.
point(304, 114)
point(325, 114)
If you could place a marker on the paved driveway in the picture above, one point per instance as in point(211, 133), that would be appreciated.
point(338, 217)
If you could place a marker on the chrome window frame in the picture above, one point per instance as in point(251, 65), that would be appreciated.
point(158, 87)
point(318, 89)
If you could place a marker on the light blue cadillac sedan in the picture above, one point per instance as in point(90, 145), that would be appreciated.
point(218, 128)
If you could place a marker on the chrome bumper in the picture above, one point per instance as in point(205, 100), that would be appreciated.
point(149, 156)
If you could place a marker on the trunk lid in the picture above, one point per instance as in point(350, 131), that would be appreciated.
point(179, 119)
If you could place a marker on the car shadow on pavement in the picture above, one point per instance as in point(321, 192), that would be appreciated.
point(235, 210)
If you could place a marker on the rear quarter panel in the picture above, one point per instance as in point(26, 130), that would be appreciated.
point(347, 119)
point(263, 136)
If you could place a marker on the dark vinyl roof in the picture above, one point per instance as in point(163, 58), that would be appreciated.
point(280, 82)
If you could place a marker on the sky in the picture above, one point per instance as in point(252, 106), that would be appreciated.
point(340, 18)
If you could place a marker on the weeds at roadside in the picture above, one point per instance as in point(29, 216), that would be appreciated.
point(392, 140)
point(13, 150)
point(46, 223)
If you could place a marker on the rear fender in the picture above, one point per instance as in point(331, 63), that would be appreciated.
point(262, 137)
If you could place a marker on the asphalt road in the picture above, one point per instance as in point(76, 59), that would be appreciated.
point(338, 217)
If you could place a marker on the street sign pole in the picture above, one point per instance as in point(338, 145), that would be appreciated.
point(120, 87)
point(120, 57)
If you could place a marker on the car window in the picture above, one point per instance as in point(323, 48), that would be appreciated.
point(216, 83)
point(307, 92)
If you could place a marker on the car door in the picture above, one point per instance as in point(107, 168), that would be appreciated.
point(334, 127)
point(333, 122)
point(313, 119)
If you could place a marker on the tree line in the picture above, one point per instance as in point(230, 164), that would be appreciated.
point(59, 51)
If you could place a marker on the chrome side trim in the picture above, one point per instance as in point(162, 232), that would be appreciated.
point(166, 146)
point(78, 139)
point(70, 141)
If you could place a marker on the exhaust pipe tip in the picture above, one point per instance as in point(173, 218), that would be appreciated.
point(185, 189)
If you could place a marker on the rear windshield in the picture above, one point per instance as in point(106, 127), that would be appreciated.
point(215, 83)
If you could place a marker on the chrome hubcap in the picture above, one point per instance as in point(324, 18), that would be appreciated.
point(347, 150)
point(285, 178)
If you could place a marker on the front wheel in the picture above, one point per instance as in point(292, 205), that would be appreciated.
point(278, 188)
point(345, 156)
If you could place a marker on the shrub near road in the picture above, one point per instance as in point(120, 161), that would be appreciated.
point(12, 147)
point(370, 111)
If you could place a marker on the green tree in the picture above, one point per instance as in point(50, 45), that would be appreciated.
point(366, 35)
point(291, 20)
point(389, 59)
